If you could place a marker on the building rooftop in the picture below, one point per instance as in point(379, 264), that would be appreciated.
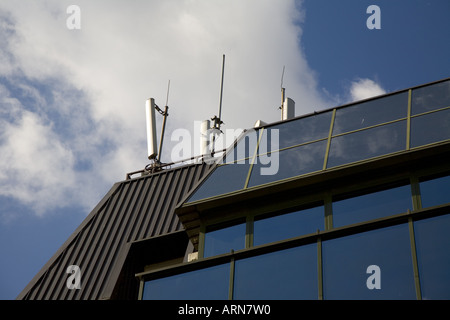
point(144, 222)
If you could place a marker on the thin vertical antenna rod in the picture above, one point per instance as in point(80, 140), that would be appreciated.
point(221, 90)
point(163, 128)
point(282, 93)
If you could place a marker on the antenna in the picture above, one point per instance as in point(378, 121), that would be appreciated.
point(217, 120)
point(151, 128)
point(287, 104)
point(165, 114)
point(282, 92)
point(150, 107)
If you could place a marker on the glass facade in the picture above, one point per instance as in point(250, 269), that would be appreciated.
point(395, 260)
point(224, 240)
point(288, 225)
point(347, 261)
point(383, 238)
point(281, 275)
point(204, 284)
point(372, 206)
point(435, 191)
point(433, 255)
point(371, 128)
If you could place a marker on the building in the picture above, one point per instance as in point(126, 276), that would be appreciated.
point(347, 203)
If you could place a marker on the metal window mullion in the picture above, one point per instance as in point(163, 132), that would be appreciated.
point(231, 282)
point(330, 133)
point(319, 269)
point(141, 289)
point(249, 231)
point(408, 122)
point(328, 208)
point(201, 241)
point(414, 259)
point(253, 159)
point(415, 190)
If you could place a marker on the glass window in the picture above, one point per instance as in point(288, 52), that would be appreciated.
point(224, 179)
point(288, 163)
point(430, 97)
point(429, 128)
point(372, 265)
point(299, 131)
point(286, 274)
point(218, 241)
point(289, 225)
point(205, 284)
point(372, 206)
point(245, 148)
point(435, 192)
point(367, 144)
point(433, 256)
point(371, 112)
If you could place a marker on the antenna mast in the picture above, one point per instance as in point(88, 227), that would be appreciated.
point(165, 114)
point(217, 120)
point(282, 93)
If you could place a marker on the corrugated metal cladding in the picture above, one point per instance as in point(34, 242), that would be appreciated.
point(132, 210)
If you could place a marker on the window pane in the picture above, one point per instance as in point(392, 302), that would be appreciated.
point(431, 97)
point(245, 147)
point(346, 265)
point(370, 113)
point(224, 179)
point(372, 206)
point(286, 274)
point(288, 163)
point(288, 225)
point(204, 284)
point(429, 128)
point(299, 131)
point(435, 192)
point(223, 240)
point(367, 144)
point(433, 256)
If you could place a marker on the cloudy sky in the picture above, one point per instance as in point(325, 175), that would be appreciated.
point(73, 91)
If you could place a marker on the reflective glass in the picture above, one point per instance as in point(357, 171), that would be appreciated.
point(367, 144)
point(288, 163)
point(205, 284)
point(372, 265)
point(245, 148)
point(429, 128)
point(371, 112)
point(433, 256)
point(286, 274)
point(288, 225)
point(372, 206)
point(223, 240)
point(430, 97)
point(299, 131)
point(224, 179)
point(435, 192)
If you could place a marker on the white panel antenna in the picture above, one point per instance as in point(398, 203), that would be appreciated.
point(287, 104)
point(151, 129)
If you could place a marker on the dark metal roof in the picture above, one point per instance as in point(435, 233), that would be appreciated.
point(133, 210)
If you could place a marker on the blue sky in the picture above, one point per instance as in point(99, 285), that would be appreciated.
point(72, 101)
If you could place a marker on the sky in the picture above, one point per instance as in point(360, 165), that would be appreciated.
point(74, 81)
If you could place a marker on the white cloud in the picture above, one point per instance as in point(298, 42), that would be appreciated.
point(365, 88)
point(85, 126)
